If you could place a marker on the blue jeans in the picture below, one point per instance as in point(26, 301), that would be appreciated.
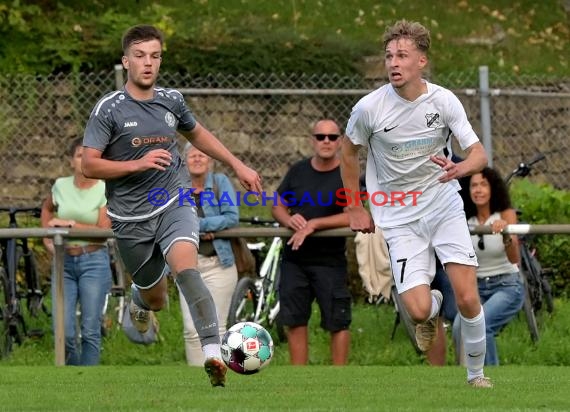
point(87, 279)
point(502, 298)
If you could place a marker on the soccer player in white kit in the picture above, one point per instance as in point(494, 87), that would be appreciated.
point(406, 126)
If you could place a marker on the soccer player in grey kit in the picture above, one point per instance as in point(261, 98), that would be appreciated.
point(130, 142)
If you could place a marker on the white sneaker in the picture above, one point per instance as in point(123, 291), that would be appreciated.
point(426, 333)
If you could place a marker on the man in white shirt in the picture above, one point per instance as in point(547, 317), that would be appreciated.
point(406, 126)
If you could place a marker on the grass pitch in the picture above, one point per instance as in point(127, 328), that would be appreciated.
point(278, 388)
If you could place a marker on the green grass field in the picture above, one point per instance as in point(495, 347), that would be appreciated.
point(277, 388)
point(383, 374)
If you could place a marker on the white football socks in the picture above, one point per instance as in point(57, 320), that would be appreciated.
point(435, 307)
point(474, 344)
point(212, 350)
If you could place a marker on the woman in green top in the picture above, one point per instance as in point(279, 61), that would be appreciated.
point(79, 202)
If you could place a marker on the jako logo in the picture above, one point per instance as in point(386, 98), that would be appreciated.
point(130, 124)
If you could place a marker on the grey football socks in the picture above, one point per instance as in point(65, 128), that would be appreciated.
point(201, 305)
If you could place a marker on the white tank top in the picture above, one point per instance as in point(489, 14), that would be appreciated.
point(493, 259)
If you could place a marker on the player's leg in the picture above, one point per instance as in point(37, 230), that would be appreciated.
point(143, 259)
point(295, 299)
point(452, 242)
point(330, 284)
point(221, 282)
point(177, 234)
point(413, 268)
point(472, 320)
point(437, 355)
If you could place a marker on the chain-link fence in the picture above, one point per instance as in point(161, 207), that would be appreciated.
point(265, 120)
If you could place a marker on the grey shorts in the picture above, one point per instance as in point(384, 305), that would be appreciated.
point(143, 245)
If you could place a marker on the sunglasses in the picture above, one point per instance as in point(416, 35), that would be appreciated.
point(332, 137)
point(481, 243)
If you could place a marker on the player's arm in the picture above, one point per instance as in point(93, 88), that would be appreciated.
point(95, 167)
point(358, 216)
point(475, 161)
point(350, 170)
point(204, 140)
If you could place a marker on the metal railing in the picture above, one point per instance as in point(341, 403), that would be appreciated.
point(60, 234)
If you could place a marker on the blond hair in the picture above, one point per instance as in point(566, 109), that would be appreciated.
point(408, 30)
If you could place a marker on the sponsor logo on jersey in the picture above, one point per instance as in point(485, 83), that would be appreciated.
point(131, 124)
point(149, 140)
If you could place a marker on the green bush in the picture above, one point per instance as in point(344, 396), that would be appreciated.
point(543, 204)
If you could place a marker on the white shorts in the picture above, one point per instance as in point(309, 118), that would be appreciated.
point(411, 246)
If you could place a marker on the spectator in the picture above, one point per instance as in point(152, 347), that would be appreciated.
point(215, 256)
point(314, 268)
point(501, 287)
point(79, 202)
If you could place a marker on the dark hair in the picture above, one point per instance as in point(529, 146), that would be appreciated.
point(140, 33)
point(500, 199)
point(73, 145)
point(408, 30)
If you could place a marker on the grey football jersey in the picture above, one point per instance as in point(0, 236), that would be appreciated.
point(123, 128)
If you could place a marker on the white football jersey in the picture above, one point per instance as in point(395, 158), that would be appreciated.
point(401, 136)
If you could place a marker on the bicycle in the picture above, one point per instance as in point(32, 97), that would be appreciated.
point(256, 299)
point(537, 285)
point(115, 300)
point(17, 259)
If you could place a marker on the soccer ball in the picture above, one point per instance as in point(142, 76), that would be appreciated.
point(247, 348)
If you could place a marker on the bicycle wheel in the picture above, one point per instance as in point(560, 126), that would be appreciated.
point(5, 337)
point(243, 303)
point(404, 318)
point(528, 308)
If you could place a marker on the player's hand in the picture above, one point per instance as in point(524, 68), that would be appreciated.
point(158, 159)
point(249, 178)
point(297, 222)
point(450, 168)
point(360, 220)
